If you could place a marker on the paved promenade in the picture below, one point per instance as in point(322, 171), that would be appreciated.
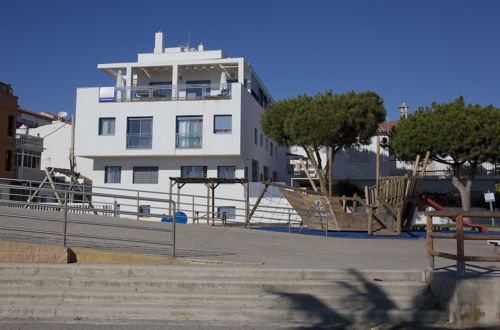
point(261, 247)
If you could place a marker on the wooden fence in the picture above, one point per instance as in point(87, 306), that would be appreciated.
point(460, 238)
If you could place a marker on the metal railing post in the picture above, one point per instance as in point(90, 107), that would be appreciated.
point(289, 220)
point(192, 208)
point(65, 217)
point(174, 220)
point(137, 205)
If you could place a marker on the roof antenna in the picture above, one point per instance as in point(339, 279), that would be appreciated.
point(188, 46)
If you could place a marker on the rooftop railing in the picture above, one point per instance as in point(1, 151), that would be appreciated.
point(165, 93)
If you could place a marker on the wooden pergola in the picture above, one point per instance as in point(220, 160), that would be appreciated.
point(211, 184)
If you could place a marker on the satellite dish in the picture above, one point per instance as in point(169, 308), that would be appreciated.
point(62, 114)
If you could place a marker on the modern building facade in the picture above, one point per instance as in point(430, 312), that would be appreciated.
point(177, 112)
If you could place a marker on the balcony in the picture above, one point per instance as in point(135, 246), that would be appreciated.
point(29, 142)
point(165, 93)
point(186, 141)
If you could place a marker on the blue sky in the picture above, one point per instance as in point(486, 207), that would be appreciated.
point(411, 51)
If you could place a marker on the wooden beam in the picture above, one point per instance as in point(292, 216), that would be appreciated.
point(303, 165)
point(262, 192)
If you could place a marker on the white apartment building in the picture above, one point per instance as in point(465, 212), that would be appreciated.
point(177, 112)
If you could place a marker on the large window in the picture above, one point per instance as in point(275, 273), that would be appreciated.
point(106, 126)
point(161, 89)
point(189, 132)
point(222, 124)
point(255, 134)
point(226, 172)
point(112, 174)
point(193, 171)
point(145, 174)
point(139, 132)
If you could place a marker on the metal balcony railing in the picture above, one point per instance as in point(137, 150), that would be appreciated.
point(188, 140)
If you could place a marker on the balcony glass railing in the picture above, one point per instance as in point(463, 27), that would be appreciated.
point(188, 140)
point(165, 93)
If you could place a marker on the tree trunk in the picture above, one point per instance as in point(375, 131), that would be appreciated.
point(464, 189)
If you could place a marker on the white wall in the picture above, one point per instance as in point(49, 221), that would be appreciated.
point(164, 113)
point(56, 147)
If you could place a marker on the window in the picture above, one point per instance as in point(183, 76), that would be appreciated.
point(226, 172)
point(144, 210)
point(255, 170)
point(139, 132)
point(112, 174)
point(275, 176)
point(228, 211)
point(10, 126)
point(106, 126)
point(193, 171)
point(271, 148)
point(222, 124)
point(255, 136)
point(8, 160)
point(189, 132)
point(31, 158)
point(266, 173)
point(267, 144)
point(145, 174)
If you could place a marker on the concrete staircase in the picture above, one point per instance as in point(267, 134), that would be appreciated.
point(224, 294)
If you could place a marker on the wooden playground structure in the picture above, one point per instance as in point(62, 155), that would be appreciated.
point(386, 209)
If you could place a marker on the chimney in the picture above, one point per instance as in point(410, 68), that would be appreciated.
point(403, 110)
point(201, 47)
point(159, 42)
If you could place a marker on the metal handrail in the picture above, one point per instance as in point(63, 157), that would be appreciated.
point(65, 208)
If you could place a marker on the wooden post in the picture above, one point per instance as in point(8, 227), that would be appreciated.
point(312, 158)
point(367, 198)
point(311, 181)
point(460, 246)
point(398, 222)
point(369, 213)
point(208, 203)
point(415, 167)
point(426, 161)
point(247, 202)
point(430, 243)
point(377, 167)
point(354, 203)
point(170, 197)
point(263, 191)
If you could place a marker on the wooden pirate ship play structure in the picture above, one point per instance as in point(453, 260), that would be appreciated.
point(386, 209)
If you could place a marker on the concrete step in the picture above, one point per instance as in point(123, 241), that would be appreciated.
point(30, 296)
point(223, 272)
point(155, 284)
point(338, 316)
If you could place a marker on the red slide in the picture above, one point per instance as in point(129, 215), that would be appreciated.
point(439, 207)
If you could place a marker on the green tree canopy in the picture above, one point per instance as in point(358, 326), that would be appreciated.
point(324, 120)
point(456, 134)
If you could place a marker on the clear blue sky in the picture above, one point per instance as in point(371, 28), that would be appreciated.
point(411, 51)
